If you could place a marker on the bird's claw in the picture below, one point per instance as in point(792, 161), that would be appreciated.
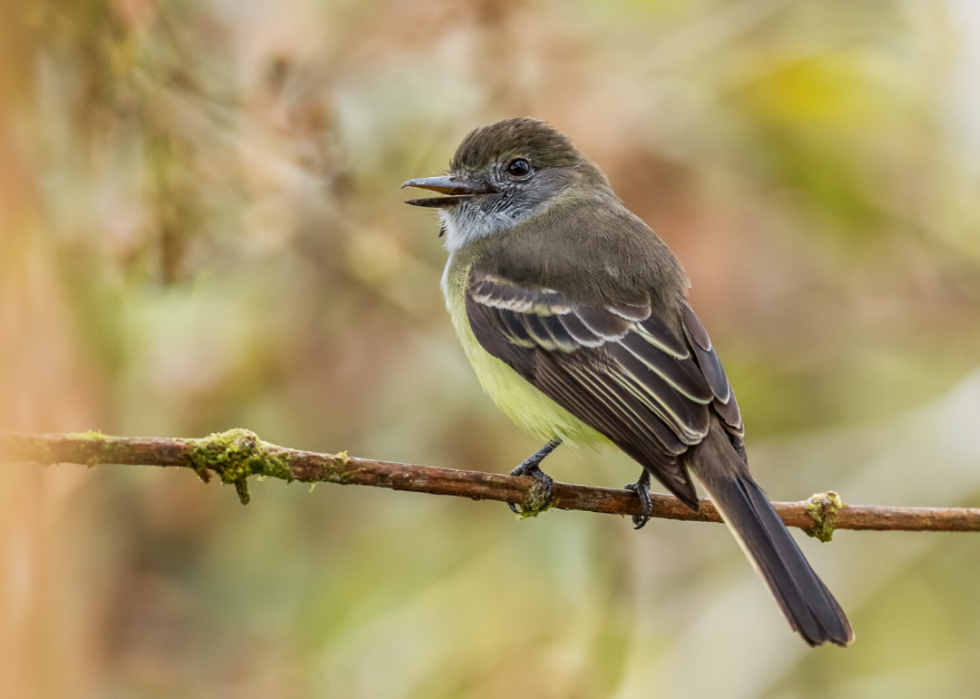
point(531, 467)
point(642, 490)
point(547, 482)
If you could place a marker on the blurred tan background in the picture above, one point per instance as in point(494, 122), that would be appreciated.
point(201, 228)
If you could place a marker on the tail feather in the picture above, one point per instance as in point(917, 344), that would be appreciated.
point(805, 601)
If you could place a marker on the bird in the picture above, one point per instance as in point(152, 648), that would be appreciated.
point(575, 317)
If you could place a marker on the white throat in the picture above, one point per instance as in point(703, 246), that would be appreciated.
point(464, 224)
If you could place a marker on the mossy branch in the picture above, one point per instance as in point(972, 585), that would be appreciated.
point(236, 455)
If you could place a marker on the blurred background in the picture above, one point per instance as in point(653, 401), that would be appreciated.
point(201, 228)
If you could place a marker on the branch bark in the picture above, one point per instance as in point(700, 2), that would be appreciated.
point(237, 454)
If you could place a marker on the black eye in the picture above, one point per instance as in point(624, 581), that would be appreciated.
point(519, 168)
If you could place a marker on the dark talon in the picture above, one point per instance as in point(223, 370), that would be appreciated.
point(642, 489)
point(530, 467)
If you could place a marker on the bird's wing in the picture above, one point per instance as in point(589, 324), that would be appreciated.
point(617, 367)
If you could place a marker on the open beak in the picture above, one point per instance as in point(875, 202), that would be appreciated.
point(455, 188)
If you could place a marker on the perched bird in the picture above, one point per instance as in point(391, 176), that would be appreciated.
point(574, 316)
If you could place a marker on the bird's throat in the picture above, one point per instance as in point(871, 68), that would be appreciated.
point(466, 223)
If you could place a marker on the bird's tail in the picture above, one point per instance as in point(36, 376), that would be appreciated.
point(806, 602)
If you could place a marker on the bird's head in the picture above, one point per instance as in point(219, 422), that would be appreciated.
point(504, 173)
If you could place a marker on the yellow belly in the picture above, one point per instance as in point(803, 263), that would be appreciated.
point(528, 407)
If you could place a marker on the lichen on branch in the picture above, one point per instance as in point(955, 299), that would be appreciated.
point(825, 509)
point(235, 455)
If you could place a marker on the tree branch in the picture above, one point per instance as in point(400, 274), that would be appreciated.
point(237, 454)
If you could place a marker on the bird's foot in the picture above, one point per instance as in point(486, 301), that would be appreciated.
point(642, 489)
point(531, 467)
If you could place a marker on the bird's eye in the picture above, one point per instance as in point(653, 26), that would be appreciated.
point(519, 168)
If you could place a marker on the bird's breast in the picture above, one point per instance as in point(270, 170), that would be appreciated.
point(528, 407)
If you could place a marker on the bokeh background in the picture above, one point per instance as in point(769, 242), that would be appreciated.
point(201, 228)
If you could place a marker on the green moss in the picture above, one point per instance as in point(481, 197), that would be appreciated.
point(536, 501)
point(336, 470)
point(108, 451)
point(91, 436)
point(824, 509)
point(235, 455)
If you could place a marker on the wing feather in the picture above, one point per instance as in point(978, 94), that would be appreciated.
point(515, 330)
point(707, 358)
point(724, 402)
point(563, 339)
point(577, 329)
point(658, 333)
point(683, 374)
point(730, 414)
point(536, 328)
point(688, 419)
point(631, 311)
point(603, 323)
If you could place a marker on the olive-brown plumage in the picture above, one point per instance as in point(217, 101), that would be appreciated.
point(574, 315)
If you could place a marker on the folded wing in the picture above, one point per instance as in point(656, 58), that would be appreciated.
point(617, 367)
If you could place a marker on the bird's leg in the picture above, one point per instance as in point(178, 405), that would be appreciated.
point(642, 489)
point(530, 467)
